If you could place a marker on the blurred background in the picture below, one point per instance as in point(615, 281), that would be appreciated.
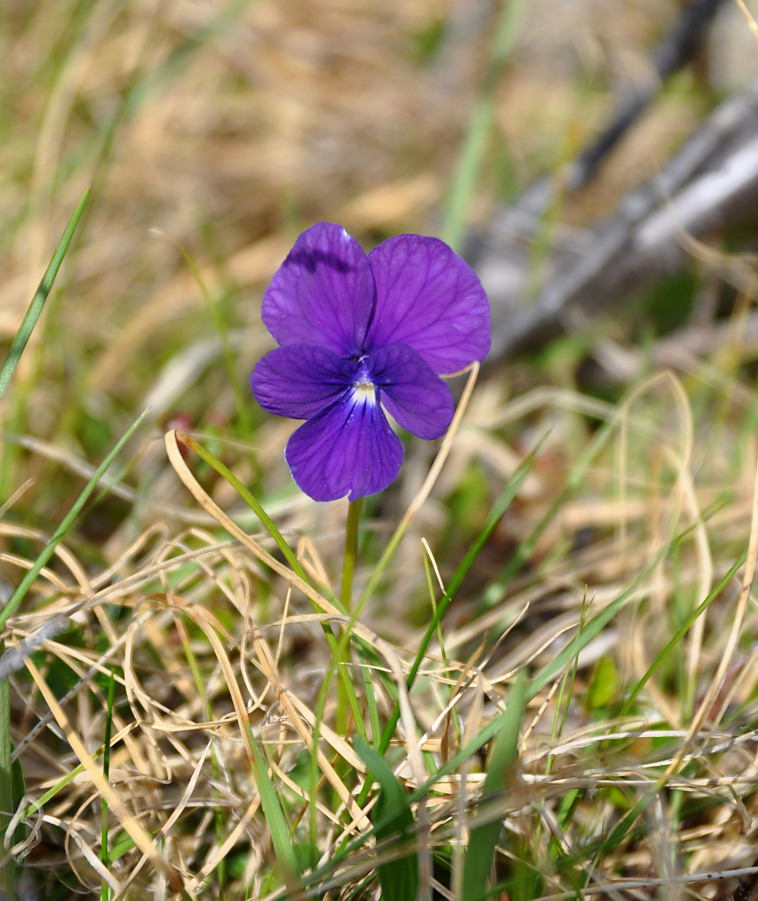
point(214, 132)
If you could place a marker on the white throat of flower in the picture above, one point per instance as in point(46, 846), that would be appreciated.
point(364, 391)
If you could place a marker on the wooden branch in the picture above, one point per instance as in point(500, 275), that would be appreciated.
point(710, 185)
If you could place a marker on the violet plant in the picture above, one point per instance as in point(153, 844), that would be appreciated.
point(362, 336)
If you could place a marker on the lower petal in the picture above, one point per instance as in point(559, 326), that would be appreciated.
point(349, 450)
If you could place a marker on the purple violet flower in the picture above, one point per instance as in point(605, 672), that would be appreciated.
point(360, 332)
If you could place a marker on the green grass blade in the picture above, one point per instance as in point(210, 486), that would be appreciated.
point(683, 630)
point(393, 819)
point(38, 301)
point(497, 512)
point(268, 524)
point(68, 520)
point(7, 801)
point(480, 853)
point(105, 889)
point(272, 810)
point(475, 142)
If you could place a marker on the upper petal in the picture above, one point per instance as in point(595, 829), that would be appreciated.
point(300, 380)
point(323, 293)
point(348, 449)
point(411, 392)
point(428, 298)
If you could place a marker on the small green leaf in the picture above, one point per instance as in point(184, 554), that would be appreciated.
point(604, 684)
point(122, 844)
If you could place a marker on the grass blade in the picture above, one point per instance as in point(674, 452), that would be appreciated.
point(275, 819)
point(268, 524)
point(481, 848)
point(105, 890)
point(497, 512)
point(68, 520)
point(40, 296)
point(11, 787)
point(393, 818)
point(480, 123)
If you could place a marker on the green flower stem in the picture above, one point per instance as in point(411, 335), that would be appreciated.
point(346, 597)
point(351, 552)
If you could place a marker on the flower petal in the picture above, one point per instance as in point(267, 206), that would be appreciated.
point(348, 449)
point(411, 392)
point(323, 293)
point(428, 298)
point(301, 380)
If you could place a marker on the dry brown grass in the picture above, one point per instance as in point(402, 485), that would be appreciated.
point(223, 129)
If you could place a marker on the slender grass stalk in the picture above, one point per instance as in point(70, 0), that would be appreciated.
point(201, 688)
point(497, 512)
point(213, 304)
point(66, 523)
point(105, 889)
point(449, 676)
point(480, 854)
point(423, 493)
point(37, 304)
point(7, 800)
point(475, 142)
point(268, 524)
point(346, 596)
point(30, 321)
